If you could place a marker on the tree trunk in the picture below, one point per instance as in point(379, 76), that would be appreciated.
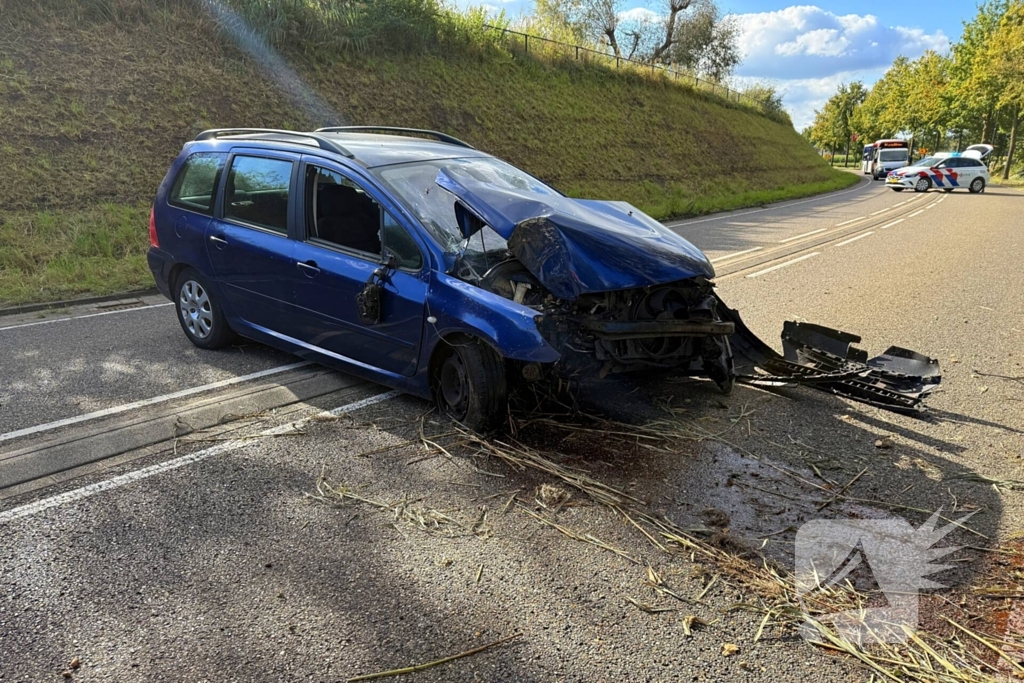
point(985, 136)
point(846, 162)
point(1013, 143)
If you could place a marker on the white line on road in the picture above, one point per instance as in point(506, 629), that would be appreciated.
point(884, 210)
point(783, 265)
point(106, 412)
point(900, 203)
point(852, 220)
point(146, 472)
point(854, 239)
point(806, 234)
point(738, 253)
point(768, 208)
point(916, 213)
point(932, 205)
point(79, 317)
point(889, 225)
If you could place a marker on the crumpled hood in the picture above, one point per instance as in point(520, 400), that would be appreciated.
point(578, 246)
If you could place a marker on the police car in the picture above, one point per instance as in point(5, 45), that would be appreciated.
point(947, 172)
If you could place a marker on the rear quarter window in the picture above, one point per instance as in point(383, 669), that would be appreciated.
point(196, 183)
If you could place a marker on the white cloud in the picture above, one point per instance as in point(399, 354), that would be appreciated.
point(807, 52)
point(809, 42)
point(639, 14)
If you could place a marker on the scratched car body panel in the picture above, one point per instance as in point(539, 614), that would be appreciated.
point(443, 271)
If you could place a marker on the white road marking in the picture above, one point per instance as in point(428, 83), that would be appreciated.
point(916, 213)
point(852, 220)
point(884, 210)
point(146, 472)
point(79, 317)
point(932, 205)
point(889, 225)
point(106, 412)
point(943, 199)
point(900, 203)
point(738, 253)
point(854, 239)
point(806, 234)
point(768, 208)
point(783, 265)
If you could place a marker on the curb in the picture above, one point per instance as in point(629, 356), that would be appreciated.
point(32, 308)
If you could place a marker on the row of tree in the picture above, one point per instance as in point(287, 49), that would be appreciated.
point(974, 93)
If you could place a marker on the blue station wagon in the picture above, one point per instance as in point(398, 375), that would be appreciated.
point(412, 259)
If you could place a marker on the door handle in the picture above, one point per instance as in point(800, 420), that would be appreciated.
point(309, 267)
point(219, 241)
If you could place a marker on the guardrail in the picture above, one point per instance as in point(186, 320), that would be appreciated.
point(583, 54)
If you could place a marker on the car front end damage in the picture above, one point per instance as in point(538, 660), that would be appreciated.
point(615, 291)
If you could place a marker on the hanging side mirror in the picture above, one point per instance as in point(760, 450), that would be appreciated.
point(368, 301)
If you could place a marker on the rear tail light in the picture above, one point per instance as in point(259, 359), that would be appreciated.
point(152, 228)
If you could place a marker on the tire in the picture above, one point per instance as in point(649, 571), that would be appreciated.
point(199, 313)
point(896, 189)
point(922, 185)
point(977, 185)
point(947, 189)
point(470, 385)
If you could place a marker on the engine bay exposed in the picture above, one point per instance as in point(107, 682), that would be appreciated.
point(673, 326)
point(686, 328)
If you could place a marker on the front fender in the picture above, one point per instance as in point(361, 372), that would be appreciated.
point(509, 327)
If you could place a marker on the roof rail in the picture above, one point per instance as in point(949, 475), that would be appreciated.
point(443, 137)
point(322, 142)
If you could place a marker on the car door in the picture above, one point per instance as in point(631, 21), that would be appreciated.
point(347, 224)
point(248, 240)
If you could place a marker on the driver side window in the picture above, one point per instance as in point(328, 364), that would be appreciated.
point(339, 213)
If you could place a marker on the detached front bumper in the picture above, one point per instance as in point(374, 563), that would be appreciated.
point(897, 380)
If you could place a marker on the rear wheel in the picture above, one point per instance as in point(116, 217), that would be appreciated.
point(470, 384)
point(977, 185)
point(200, 313)
point(922, 185)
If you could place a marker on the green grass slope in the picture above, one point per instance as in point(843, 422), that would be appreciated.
point(94, 105)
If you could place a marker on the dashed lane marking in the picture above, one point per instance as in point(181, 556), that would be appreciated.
point(79, 317)
point(854, 239)
point(783, 265)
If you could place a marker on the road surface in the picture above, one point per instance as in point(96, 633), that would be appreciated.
point(157, 522)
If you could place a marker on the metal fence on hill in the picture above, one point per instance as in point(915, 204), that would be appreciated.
point(579, 53)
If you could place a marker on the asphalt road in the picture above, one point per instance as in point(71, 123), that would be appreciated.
point(205, 559)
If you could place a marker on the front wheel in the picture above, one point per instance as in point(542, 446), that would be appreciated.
point(200, 313)
point(470, 385)
point(977, 185)
point(922, 185)
point(897, 189)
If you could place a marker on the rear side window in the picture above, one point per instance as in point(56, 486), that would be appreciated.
point(257, 192)
point(197, 181)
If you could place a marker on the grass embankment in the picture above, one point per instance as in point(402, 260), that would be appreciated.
point(95, 103)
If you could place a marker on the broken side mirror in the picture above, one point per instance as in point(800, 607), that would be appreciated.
point(368, 301)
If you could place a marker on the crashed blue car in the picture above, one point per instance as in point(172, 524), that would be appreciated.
point(412, 259)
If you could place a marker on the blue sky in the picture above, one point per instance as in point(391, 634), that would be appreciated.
point(807, 50)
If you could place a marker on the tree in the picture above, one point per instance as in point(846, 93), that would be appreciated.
point(691, 33)
point(1004, 64)
point(706, 42)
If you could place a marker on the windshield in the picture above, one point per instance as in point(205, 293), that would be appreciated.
point(893, 154)
point(415, 185)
